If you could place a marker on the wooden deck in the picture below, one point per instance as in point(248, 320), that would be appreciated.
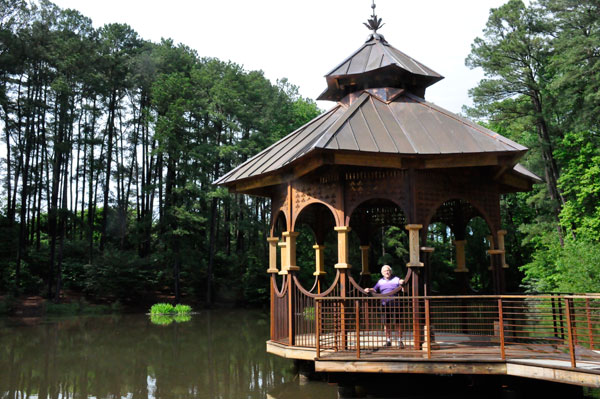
point(449, 355)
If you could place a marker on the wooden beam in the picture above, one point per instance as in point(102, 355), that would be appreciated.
point(513, 180)
point(461, 161)
point(416, 367)
point(372, 160)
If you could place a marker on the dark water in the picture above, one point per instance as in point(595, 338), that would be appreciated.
point(216, 354)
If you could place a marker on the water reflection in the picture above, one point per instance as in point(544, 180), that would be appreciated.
point(219, 354)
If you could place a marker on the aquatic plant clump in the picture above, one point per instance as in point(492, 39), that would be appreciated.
point(162, 308)
point(167, 308)
point(182, 309)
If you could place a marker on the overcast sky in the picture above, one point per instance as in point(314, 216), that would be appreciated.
point(304, 39)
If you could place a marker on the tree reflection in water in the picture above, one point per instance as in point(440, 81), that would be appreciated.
point(218, 354)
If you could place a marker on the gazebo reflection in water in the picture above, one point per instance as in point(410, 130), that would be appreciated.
point(384, 157)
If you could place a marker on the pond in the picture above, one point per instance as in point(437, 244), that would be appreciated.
point(214, 354)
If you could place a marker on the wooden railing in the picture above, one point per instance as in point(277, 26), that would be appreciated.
point(559, 327)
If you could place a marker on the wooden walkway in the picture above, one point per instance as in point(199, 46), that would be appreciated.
point(450, 354)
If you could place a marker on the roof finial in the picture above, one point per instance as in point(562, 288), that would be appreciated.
point(374, 23)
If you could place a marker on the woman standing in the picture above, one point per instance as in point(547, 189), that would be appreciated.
point(390, 306)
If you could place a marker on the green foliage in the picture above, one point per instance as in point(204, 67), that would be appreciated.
point(541, 89)
point(162, 308)
point(167, 308)
point(182, 309)
point(569, 268)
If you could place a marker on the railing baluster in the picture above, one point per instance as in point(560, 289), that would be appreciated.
point(428, 327)
point(570, 331)
point(589, 323)
point(501, 327)
point(318, 327)
point(357, 310)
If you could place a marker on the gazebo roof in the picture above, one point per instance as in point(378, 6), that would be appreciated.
point(382, 122)
point(377, 64)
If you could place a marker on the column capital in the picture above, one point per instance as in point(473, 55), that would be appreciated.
point(293, 234)
point(413, 226)
point(459, 242)
point(342, 229)
point(317, 246)
point(415, 264)
point(343, 266)
point(319, 273)
point(495, 251)
point(427, 249)
point(272, 239)
point(282, 244)
point(365, 247)
point(502, 232)
point(272, 270)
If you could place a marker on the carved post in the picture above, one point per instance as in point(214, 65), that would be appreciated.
point(413, 244)
point(272, 270)
point(427, 251)
point(415, 264)
point(501, 234)
point(343, 267)
point(273, 241)
point(490, 239)
point(342, 247)
point(284, 263)
point(290, 257)
point(364, 256)
point(461, 266)
point(290, 249)
point(319, 264)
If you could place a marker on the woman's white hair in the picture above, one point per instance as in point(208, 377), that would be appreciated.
point(386, 266)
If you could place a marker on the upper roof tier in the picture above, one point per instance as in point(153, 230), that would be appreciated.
point(377, 64)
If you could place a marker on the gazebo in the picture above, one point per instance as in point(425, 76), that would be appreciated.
point(384, 156)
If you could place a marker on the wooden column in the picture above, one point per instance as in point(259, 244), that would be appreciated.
point(342, 247)
point(273, 241)
point(461, 266)
point(272, 270)
point(283, 254)
point(415, 265)
point(501, 234)
point(426, 257)
point(413, 244)
point(342, 265)
point(364, 256)
point(490, 239)
point(319, 264)
point(290, 249)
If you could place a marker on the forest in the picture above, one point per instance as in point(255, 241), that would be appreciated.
point(110, 145)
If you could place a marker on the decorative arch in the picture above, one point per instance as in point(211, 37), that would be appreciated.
point(478, 207)
point(310, 204)
point(279, 219)
point(317, 215)
point(390, 198)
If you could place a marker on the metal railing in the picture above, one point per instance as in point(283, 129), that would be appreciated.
point(560, 327)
